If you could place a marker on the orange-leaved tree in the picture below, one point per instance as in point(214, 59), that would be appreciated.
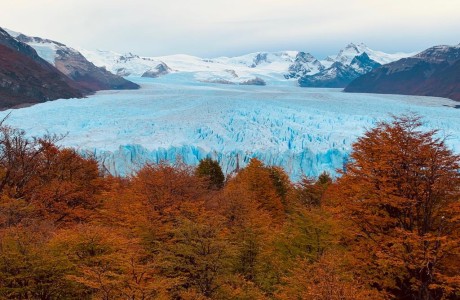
point(266, 185)
point(401, 189)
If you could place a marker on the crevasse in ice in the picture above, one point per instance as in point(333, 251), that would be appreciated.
point(172, 118)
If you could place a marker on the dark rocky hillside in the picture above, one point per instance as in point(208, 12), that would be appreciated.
point(74, 65)
point(433, 72)
point(25, 78)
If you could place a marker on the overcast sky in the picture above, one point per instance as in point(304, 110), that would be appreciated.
point(210, 28)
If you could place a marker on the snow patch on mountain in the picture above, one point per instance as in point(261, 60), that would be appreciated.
point(347, 54)
point(46, 49)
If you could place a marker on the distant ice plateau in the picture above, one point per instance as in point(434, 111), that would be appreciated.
point(174, 117)
point(333, 71)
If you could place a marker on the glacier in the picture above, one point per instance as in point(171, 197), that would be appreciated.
point(176, 118)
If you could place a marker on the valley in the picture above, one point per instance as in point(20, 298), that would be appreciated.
point(175, 117)
point(230, 150)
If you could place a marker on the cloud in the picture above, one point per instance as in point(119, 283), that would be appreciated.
point(222, 27)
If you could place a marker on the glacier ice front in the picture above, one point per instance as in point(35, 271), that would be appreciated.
point(173, 118)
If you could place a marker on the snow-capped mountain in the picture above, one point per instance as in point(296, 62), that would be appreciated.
point(347, 54)
point(304, 64)
point(340, 73)
point(363, 63)
point(433, 72)
point(74, 65)
point(26, 78)
point(350, 63)
point(285, 65)
point(160, 70)
point(92, 68)
point(237, 70)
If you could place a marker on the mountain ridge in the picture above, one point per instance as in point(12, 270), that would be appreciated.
point(35, 70)
point(432, 72)
point(281, 65)
point(74, 65)
point(26, 78)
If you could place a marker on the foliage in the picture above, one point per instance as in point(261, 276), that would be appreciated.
point(387, 229)
point(210, 170)
point(401, 190)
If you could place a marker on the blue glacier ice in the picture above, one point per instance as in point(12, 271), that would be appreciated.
point(175, 118)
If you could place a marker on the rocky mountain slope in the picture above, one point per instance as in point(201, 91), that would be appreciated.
point(303, 65)
point(350, 63)
point(26, 78)
point(433, 72)
point(160, 70)
point(74, 65)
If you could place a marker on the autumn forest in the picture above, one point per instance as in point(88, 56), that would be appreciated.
point(388, 227)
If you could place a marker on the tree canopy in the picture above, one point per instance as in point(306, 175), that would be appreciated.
point(388, 228)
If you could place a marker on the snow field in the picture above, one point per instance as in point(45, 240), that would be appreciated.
point(304, 130)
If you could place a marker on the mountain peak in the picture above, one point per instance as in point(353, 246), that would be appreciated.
point(305, 56)
point(347, 54)
point(351, 46)
point(358, 48)
point(11, 32)
point(432, 72)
